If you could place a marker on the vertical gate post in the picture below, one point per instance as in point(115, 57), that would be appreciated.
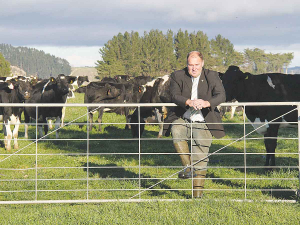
point(245, 153)
point(139, 130)
point(36, 153)
point(298, 107)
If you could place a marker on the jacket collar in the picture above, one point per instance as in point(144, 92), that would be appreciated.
point(188, 78)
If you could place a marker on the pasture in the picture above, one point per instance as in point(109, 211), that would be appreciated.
point(116, 170)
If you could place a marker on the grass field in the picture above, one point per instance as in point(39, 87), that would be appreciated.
point(116, 170)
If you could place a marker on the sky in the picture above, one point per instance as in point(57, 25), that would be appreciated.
point(76, 30)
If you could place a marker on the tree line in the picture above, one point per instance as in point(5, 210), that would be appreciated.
point(4, 67)
point(156, 54)
point(35, 62)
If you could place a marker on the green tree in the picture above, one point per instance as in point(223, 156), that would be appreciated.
point(223, 52)
point(4, 67)
point(182, 47)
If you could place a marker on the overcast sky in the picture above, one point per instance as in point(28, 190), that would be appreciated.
point(75, 30)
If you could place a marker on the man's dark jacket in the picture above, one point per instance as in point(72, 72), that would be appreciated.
point(210, 89)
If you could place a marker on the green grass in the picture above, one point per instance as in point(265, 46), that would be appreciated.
point(114, 164)
point(188, 212)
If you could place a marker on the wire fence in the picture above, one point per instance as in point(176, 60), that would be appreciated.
point(85, 165)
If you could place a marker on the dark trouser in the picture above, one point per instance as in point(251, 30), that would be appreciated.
point(199, 137)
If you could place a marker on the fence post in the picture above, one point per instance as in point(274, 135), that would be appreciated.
point(87, 152)
point(298, 107)
point(36, 153)
point(139, 130)
point(245, 154)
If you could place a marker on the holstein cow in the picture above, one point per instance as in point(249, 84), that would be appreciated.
point(53, 90)
point(74, 83)
point(156, 91)
point(142, 80)
point(271, 87)
point(122, 78)
point(13, 91)
point(102, 92)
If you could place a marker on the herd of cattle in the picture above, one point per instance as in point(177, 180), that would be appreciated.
point(239, 86)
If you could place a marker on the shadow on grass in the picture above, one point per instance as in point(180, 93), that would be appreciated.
point(105, 145)
point(114, 171)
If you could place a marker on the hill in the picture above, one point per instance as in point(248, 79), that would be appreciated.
point(294, 70)
point(91, 72)
point(35, 62)
point(16, 71)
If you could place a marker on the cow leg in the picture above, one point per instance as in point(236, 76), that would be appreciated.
point(42, 122)
point(159, 118)
point(271, 144)
point(127, 126)
point(46, 129)
point(57, 124)
point(100, 114)
point(91, 115)
point(233, 108)
point(63, 113)
point(7, 136)
point(27, 120)
point(16, 132)
point(50, 124)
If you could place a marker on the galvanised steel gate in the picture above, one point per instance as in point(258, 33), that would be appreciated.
point(85, 165)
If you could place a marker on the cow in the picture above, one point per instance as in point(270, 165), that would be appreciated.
point(142, 80)
point(53, 90)
point(103, 92)
point(13, 91)
point(271, 87)
point(74, 82)
point(155, 91)
point(79, 80)
point(108, 80)
point(122, 78)
point(81, 89)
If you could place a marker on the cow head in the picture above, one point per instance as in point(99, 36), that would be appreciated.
point(23, 88)
point(233, 81)
point(82, 79)
point(62, 84)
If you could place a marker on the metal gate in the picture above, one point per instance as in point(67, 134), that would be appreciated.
point(85, 165)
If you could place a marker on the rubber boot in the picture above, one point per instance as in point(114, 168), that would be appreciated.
point(198, 183)
point(183, 147)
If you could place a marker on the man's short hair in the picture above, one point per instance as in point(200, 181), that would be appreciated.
point(199, 54)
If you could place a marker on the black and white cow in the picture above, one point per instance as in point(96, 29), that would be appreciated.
point(108, 80)
point(102, 92)
point(142, 80)
point(155, 91)
point(53, 90)
point(122, 78)
point(13, 91)
point(271, 87)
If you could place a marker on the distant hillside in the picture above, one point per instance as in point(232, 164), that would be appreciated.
point(35, 62)
point(16, 71)
point(294, 70)
point(91, 72)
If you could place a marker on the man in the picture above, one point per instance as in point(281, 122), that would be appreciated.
point(196, 92)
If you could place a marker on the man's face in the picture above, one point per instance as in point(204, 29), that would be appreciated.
point(195, 64)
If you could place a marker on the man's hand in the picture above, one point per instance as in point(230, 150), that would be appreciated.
point(197, 103)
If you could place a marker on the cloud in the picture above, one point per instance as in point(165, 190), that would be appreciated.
point(94, 22)
point(189, 10)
